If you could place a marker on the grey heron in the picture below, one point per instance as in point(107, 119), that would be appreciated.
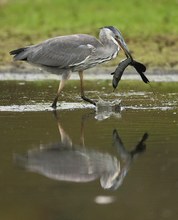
point(74, 53)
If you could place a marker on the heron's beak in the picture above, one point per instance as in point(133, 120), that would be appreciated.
point(124, 47)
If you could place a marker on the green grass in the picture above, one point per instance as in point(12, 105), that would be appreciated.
point(134, 17)
point(150, 27)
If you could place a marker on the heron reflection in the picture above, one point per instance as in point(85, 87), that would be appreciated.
point(65, 161)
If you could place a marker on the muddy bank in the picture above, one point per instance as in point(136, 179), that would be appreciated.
point(28, 72)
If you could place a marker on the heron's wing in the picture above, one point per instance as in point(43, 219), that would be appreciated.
point(64, 51)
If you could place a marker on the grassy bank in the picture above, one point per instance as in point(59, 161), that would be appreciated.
point(150, 27)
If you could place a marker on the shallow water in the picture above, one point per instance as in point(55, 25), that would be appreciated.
point(73, 165)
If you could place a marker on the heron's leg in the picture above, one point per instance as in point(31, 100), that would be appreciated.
point(61, 86)
point(82, 89)
point(65, 77)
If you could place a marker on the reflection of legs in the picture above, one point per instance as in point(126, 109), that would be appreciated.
point(84, 118)
point(82, 89)
point(65, 139)
point(82, 139)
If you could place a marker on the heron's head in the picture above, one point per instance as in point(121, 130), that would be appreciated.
point(115, 35)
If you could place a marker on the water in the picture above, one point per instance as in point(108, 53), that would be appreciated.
point(73, 165)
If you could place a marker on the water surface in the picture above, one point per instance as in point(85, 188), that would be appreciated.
point(71, 165)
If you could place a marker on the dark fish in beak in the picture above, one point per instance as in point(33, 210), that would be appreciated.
point(140, 68)
point(117, 74)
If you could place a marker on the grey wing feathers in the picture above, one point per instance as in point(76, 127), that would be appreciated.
point(60, 52)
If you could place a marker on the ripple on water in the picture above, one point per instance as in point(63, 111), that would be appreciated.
point(72, 106)
point(43, 107)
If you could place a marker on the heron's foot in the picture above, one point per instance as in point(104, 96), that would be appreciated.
point(54, 105)
point(88, 100)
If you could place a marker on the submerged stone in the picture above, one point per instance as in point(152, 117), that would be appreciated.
point(105, 109)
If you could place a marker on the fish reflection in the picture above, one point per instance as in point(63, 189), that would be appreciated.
point(127, 157)
point(67, 162)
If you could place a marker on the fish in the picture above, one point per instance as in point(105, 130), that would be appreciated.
point(139, 67)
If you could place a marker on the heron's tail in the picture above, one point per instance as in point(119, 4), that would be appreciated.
point(20, 53)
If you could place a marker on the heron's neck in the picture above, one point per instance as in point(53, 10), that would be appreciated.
point(109, 44)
